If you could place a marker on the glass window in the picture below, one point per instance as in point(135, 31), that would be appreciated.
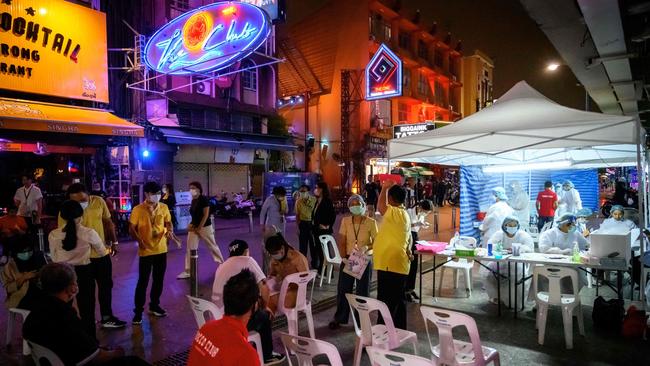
point(406, 78)
point(249, 77)
point(387, 32)
point(422, 50)
point(403, 112)
point(437, 58)
point(422, 84)
point(405, 40)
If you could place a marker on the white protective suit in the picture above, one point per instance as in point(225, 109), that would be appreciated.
point(520, 203)
point(555, 241)
point(570, 200)
point(613, 226)
point(493, 220)
point(527, 246)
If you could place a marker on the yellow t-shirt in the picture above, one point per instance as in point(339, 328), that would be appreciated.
point(92, 218)
point(393, 242)
point(360, 233)
point(151, 228)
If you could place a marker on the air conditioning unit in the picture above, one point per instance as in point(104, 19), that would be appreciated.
point(203, 87)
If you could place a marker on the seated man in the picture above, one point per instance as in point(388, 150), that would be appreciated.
point(260, 320)
point(284, 261)
point(225, 341)
point(12, 230)
point(55, 325)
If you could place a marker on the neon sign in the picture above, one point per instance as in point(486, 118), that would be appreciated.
point(209, 38)
point(383, 75)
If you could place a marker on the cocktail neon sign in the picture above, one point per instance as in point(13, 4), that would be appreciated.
point(383, 75)
point(209, 38)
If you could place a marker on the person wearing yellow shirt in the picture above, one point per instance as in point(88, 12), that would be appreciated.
point(150, 225)
point(97, 217)
point(392, 251)
point(305, 204)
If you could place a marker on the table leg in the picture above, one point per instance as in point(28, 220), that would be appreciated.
point(509, 287)
point(619, 284)
point(523, 286)
point(515, 289)
point(420, 269)
point(434, 276)
point(498, 290)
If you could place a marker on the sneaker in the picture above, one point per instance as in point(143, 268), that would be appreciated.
point(157, 311)
point(113, 322)
point(183, 276)
point(275, 359)
point(333, 325)
point(137, 319)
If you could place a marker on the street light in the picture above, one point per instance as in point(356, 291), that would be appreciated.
point(552, 66)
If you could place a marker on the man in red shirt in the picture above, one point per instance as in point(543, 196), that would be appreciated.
point(546, 205)
point(224, 342)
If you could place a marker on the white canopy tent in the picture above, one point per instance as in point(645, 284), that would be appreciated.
point(524, 129)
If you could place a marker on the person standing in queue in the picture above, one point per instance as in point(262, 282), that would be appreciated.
point(97, 217)
point(169, 198)
point(150, 225)
point(200, 228)
point(392, 251)
point(323, 219)
point(547, 201)
point(73, 244)
point(305, 204)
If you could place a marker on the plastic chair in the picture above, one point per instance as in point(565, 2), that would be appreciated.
point(570, 303)
point(382, 357)
point(384, 336)
point(40, 354)
point(205, 310)
point(301, 279)
point(451, 351)
point(461, 264)
point(330, 262)
point(306, 349)
point(11, 322)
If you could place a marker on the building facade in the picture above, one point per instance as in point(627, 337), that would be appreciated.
point(326, 54)
point(478, 76)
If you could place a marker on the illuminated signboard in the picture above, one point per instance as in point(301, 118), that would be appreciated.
point(209, 38)
point(275, 8)
point(43, 52)
point(411, 129)
point(383, 75)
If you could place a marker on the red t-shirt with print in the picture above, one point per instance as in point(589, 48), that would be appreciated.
point(222, 342)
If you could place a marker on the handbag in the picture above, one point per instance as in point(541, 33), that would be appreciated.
point(608, 314)
point(356, 264)
point(634, 323)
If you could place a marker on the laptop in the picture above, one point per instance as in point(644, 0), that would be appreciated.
point(610, 246)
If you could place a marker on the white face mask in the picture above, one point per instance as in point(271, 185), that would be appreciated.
point(194, 192)
point(511, 230)
point(154, 198)
point(164, 190)
point(84, 205)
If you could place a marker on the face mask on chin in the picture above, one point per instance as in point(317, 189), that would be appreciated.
point(279, 256)
point(84, 205)
point(154, 198)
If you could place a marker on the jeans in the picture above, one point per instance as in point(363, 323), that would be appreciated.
point(345, 285)
point(207, 234)
point(413, 271)
point(390, 290)
point(86, 297)
point(261, 323)
point(155, 266)
point(103, 276)
point(542, 220)
point(305, 237)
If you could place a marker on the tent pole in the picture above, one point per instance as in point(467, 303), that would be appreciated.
point(641, 198)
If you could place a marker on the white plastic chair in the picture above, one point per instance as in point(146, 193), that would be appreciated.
point(380, 335)
point(451, 351)
point(461, 264)
point(40, 353)
point(382, 357)
point(306, 349)
point(326, 241)
point(301, 279)
point(570, 303)
point(11, 322)
point(205, 310)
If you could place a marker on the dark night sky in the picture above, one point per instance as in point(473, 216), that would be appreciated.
point(500, 28)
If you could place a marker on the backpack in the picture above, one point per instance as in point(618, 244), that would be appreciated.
point(635, 323)
point(608, 314)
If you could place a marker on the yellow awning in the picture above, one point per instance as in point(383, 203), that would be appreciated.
point(33, 116)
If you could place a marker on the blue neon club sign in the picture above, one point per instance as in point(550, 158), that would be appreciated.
point(383, 75)
point(209, 38)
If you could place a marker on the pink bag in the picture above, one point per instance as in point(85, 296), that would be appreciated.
point(431, 247)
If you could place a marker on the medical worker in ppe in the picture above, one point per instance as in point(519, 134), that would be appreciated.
point(520, 202)
point(616, 223)
point(581, 221)
point(560, 238)
point(510, 233)
point(570, 197)
point(495, 215)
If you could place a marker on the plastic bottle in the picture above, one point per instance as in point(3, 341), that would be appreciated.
point(498, 251)
point(456, 238)
point(576, 253)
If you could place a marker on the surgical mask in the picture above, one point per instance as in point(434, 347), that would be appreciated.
point(566, 188)
point(357, 210)
point(304, 194)
point(278, 256)
point(572, 229)
point(164, 190)
point(84, 205)
point(194, 192)
point(582, 221)
point(24, 256)
point(317, 192)
point(511, 230)
point(154, 198)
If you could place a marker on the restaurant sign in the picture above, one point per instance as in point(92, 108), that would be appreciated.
point(42, 51)
point(411, 129)
point(383, 75)
point(209, 38)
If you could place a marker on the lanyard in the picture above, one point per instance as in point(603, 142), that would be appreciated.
point(356, 232)
point(27, 192)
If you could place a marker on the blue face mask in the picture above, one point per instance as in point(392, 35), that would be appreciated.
point(511, 230)
point(24, 256)
point(357, 210)
point(572, 229)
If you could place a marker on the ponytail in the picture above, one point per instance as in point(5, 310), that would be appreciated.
point(70, 240)
point(70, 211)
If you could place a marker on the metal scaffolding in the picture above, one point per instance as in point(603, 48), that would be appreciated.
point(351, 98)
